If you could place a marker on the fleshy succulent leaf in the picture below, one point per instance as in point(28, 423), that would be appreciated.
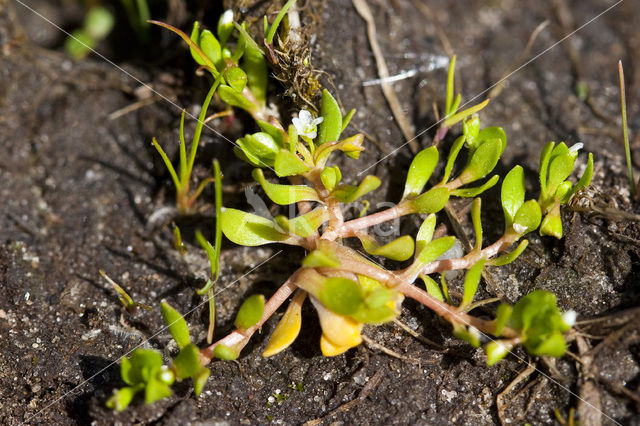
point(508, 257)
point(249, 229)
point(349, 193)
point(331, 127)
point(284, 194)
point(512, 194)
point(187, 363)
point(471, 281)
point(288, 164)
point(250, 312)
point(399, 249)
point(341, 295)
point(431, 201)
point(420, 171)
point(176, 324)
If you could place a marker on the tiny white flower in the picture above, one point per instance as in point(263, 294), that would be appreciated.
point(520, 229)
point(573, 149)
point(569, 318)
point(227, 17)
point(306, 125)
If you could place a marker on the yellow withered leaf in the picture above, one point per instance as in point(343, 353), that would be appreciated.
point(329, 349)
point(339, 330)
point(288, 328)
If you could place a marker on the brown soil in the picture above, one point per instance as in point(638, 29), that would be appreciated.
point(77, 189)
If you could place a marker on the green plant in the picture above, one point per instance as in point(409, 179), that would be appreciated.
point(346, 287)
point(99, 22)
point(97, 25)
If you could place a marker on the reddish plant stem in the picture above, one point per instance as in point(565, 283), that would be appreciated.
point(349, 228)
point(238, 338)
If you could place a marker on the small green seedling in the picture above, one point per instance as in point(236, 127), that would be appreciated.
point(126, 300)
point(97, 25)
point(294, 165)
point(556, 165)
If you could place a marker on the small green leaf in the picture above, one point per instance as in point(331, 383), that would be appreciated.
point(483, 161)
point(431, 201)
point(399, 249)
point(508, 257)
point(420, 171)
point(260, 148)
point(331, 127)
point(233, 98)
point(225, 26)
point(543, 167)
point(474, 192)
point(380, 297)
point(155, 391)
point(512, 194)
point(425, 233)
point(99, 22)
point(432, 287)
point(347, 118)
point(195, 38)
point(277, 133)
point(341, 295)
point(176, 324)
point(187, 363)
point(560, 169)
point(321, 258)
point(563, 193)
point(489, 133)
point(306, 224)
point(476, 219)
point(527, 218)
point(122, 398)
point(288, 164)
point(352, 146)
point(471, 281)
point(450, 121)
point(375, 316)
point(200, 379)
point(330, 177)
point(470, 129)
point(248, 229)
point(585, 180)
point(211, 47)
point(450, 86)
point(285, 194)
point(225, 353)
point(453, 154)
point(470, 335)
point(348, 193)
point(136, 369)
point(433, 250)
point(250, 312)
point(254, 64)
point(235, 78)
point(503, 313)
point(552, 224)
point(497, 350)
point(553, 345)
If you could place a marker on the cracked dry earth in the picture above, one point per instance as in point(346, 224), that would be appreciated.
point(77, 188)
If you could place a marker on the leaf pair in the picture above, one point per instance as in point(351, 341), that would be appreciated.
point(520, 217)
point(143, 372)
point(187, 363)
point(556, 165)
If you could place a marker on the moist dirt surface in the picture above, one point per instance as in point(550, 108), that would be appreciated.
point(78, 186)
